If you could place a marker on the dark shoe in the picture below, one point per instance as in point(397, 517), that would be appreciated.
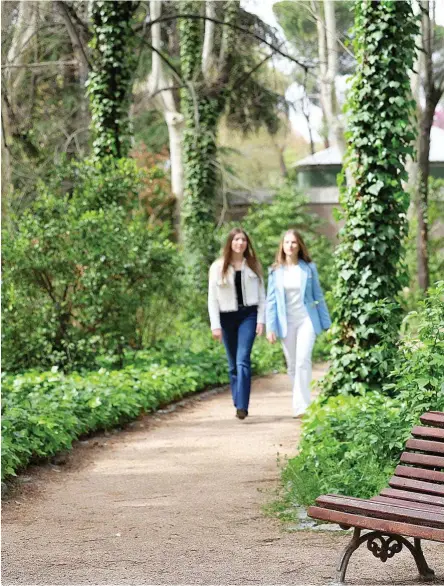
point(241, 413)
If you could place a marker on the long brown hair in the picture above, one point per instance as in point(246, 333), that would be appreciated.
point(249, 254)
point(302, 249)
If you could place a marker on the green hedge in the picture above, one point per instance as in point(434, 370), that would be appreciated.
point(44, 412)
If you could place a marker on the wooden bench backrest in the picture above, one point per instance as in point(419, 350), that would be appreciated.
point(420, 476)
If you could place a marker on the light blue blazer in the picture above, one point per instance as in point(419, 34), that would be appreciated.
point(276, 318)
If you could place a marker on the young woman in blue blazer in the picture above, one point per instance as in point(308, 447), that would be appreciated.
point(296, 312)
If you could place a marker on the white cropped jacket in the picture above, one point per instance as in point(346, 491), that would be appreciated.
point(222, 292)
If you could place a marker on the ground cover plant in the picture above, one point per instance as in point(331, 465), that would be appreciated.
point(44, 412)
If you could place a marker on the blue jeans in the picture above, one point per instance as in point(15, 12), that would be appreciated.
point(239, 331)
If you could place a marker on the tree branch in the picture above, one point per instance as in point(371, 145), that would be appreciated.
point(236, 27)
point(41, 64)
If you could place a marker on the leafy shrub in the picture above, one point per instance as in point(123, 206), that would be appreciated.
point(418, 376)
point(343, 443)
point(351, 444)
point(81, 271)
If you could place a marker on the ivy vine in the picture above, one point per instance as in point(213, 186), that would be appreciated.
point(202, 106)
point(109, 84)
point(369, 257)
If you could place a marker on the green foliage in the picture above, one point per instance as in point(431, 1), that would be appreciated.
point(109, 84)
point(351, 444)
point(374, 203)
point(78, 275)
point(44, 412)
point(418, 375)
point(344, 442)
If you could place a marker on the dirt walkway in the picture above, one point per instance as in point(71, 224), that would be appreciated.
point(177, 499)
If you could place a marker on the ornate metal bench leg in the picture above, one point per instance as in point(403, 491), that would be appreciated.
point(425, 572)
point(346, 555)
point(384, 547)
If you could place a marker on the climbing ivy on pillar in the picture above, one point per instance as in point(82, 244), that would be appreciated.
point(109, 84)
point(202, 105)
point(379, 138)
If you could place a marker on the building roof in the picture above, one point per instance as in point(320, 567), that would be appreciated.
point(332, 155)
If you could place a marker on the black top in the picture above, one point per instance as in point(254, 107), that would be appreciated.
point(238, 283)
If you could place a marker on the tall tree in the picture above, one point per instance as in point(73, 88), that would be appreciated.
point(374, 203)
point(220, 75)
point(170, 66)
point(202, 107)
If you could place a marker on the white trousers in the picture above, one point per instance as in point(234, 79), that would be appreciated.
point(298, 347)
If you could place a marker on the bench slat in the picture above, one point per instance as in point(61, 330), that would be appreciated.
point(408, 504)
point(381, 511)
point(425, 446)
point(419, 473)
point(429, 432)
point(416, 485)
point(412, 496)
point(422, 460)
point(393, 527)
point(434, 418)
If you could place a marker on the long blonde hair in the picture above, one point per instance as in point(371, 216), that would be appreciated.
point(302, 249)
point(249, 254)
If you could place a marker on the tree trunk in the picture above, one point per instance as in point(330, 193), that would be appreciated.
point(77, 42)
point(328, 70)
point(165, 102)
point(336, 130)
point(6, 160)
point(422, 193)
point(208, 46)
point(21, 44)
point(175, 122)
point(374, 205)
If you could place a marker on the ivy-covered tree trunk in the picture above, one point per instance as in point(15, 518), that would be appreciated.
point(109, 84)
point(375, 204)
point(203, 102)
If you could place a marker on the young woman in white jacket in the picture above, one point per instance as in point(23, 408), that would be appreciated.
point(236, 304)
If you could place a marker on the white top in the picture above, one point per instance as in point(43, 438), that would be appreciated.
point(222, 292)
point(292, 286)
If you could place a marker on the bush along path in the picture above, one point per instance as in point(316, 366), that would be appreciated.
point(177, 499)
point(43, 412)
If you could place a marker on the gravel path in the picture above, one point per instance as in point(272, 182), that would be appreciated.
point(176, 499)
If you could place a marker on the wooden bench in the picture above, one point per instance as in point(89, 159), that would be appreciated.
point(412, 506)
